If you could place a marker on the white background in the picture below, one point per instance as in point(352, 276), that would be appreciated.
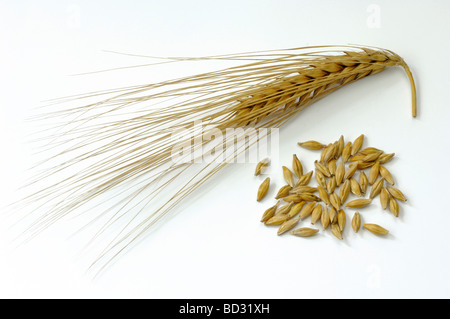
point(213, 245)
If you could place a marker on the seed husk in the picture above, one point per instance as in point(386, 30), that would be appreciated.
point(371, 157)
point(340, 172)
point(351, 170)
point(304, 180)
point(364, 165)
point(331, 184)
point(288, 176)
point(321, 180)
point(268, 213)
point(322, 168)
point(325, 218)
point(297, 166)
point(327, 153)
point(332, 166)
point(288, 225)
point(307, 197)
point(393, 206)
point(354, 186)
point(396, 193)
point(305, 232)
point(369, 150)
point(384, 172)
point(311, 145)
point(359, 203)
point(304, 189)
point(293, 198)
point(340, 147)
point(356, 158)
point(347, 152)
point(283, 210)
point(356, 222)
point(307, 210)
point(357, 144)
point(296, 209)
point(376, 229)
point(384, 158)
point(363, 181)
point(335, 201)
point(323, 195)
point(374, 172)
point(342, 218)
point(376, 188)
point(263, 188)
point(316, 214)
point(333, 215)
point(277, 219)
point(344, 191)
point(336, 231)
point(384, 198)
point(283, 191)
point(261, 166)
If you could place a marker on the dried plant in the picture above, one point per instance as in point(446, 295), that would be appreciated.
point(123, 140)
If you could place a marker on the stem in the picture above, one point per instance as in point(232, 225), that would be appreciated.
point(413, 88)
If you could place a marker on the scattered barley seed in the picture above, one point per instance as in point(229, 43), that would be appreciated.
point(296, 209)
point(384, 198)
point(384, 172)
point(396, 193)
point(357, 144)
point(321, 180)
point(333, 215)
point(342, 218)
point(384, 158)
point(263, 188)
point(332, 166)
point(363, 181)
point(364, 165)
point(354, 186)
point(288, 225)
point(370, 150)
point(359, 203)
point(268, 213)
point(335, 201)
point(261, 166)
point(376, 229)
point(340, 172)
point(356, 222)
point(304, 180)
point(393, 206)
point(331, 184)
point(277, 219)
point(311, 145)
point(346, 152)
point(340, 148)
point(376, 188)
point(283, 192)
point(344, 191)
point(336, 231)
point(307, 210)
point(297, 166)
point(316, 214)
point(371, 157)
point(351, 170)
point(322, 168)
point(323, 195)
point(374, 172)
point(288, 176)
point(304, 232)
point(325, 218)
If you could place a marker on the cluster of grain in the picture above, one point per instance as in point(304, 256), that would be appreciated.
point(344, 168)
